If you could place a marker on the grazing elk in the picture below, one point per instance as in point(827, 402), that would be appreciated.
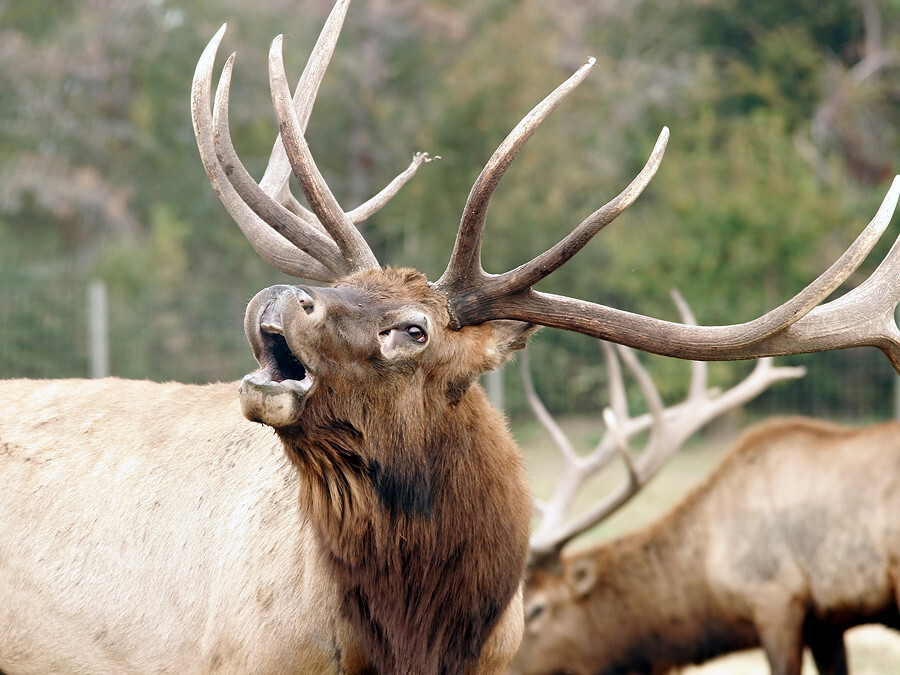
point(149, 527)
point(790, 542)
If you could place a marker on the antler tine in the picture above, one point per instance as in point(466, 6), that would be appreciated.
point(370, 206)
point(525, 276)
point(275, 179)
point(864, 316)
point(273, 248)
point(464, 267)
point(540, 411)
point(618, 398)
point(554, 510)
point(320, 198)
point(300, 231)
point(621, 443)
point(699, 370)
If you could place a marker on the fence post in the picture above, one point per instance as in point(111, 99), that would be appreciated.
point(98, 329)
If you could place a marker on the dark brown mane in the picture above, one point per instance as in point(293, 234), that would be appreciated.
point(422, 578)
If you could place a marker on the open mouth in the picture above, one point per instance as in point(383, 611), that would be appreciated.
point(274, 394)
point(281, 369)
point(280, 360)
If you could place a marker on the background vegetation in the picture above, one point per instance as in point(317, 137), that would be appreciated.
point(784, 123)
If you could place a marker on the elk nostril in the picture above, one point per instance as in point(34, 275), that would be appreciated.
point(305, 299)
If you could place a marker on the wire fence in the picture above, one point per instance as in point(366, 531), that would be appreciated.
point(45, 330)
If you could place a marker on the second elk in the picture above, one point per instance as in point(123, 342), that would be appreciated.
point(790, 542)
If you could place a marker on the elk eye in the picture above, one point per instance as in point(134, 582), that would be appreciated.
point(416, 333)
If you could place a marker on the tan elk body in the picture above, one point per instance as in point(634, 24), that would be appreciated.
point(383, 526)
point(792, 540)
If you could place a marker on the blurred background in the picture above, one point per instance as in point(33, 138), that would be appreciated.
point(784, 122)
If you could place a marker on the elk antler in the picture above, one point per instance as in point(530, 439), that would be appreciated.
point(323, 244)
point(800, 325)
point(669, 428)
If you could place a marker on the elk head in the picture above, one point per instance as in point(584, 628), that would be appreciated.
point(323, 244)
point(387, 324)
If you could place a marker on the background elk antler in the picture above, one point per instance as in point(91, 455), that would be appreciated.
point(668, 428)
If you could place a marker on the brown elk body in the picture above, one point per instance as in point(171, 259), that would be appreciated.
point(792, 540)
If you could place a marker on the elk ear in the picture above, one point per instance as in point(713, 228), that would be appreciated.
point(581, 576)
point(506, 337)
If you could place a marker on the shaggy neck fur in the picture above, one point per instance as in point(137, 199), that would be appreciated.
point(423, 515)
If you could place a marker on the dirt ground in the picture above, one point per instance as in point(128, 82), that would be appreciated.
point(872, 650)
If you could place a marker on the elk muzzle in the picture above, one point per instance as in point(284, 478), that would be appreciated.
point(274, 394)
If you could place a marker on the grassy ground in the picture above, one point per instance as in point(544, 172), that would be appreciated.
point(873, 650)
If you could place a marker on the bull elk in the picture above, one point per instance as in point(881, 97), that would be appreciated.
point(383, 526)
point(790, 542)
